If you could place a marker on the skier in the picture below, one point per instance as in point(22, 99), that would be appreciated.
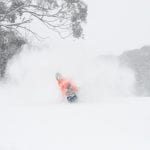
point(67, 88)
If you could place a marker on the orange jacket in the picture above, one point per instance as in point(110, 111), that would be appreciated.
point(64, 84)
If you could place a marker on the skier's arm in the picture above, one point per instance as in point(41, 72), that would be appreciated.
point(75, 88)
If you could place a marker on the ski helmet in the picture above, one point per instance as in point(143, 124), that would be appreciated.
point(58, 76)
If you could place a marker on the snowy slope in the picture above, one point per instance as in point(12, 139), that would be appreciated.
point(35, 117)
point(81, 126)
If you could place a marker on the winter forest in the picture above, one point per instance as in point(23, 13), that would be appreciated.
point(74, 75)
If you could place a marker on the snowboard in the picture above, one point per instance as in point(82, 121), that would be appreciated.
point(71, 96)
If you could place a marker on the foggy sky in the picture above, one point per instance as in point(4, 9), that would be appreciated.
point(112, 26)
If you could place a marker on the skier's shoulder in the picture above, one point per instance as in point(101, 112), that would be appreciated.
point(64, 81)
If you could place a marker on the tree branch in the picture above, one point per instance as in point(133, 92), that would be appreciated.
point(16, 24)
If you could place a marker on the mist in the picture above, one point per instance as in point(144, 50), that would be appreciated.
point(31, 76)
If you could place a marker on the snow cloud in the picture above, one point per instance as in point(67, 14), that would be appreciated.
point(31, 76)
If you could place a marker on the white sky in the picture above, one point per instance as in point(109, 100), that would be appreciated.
point(118, 24)
point(112, 27)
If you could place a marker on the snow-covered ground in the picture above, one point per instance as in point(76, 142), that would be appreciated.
point(35, 117)
point(83, 126)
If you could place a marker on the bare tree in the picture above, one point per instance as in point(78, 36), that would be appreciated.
point(62, 16)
